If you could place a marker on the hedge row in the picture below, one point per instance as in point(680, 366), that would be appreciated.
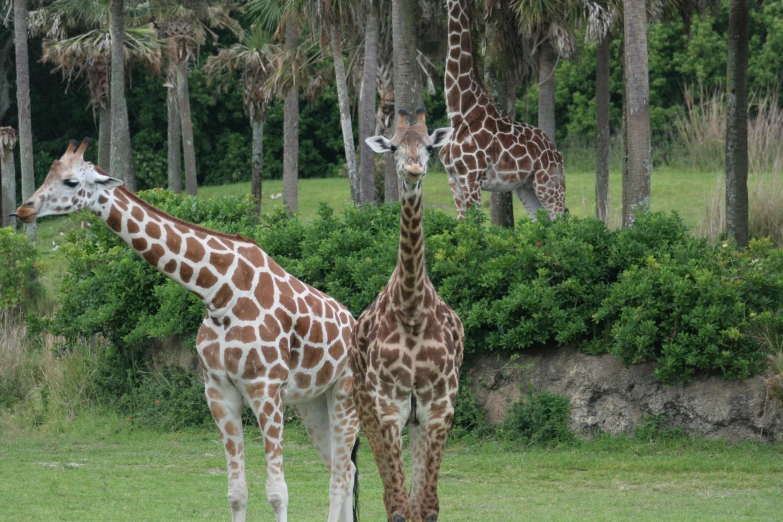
point(648, 293)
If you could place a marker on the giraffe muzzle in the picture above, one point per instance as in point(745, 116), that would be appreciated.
point(25, 214)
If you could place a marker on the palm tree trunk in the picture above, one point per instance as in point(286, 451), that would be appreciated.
point(367, 104)
point(737, 124)
point(8, 175)
point(5, 86)
point(636, 189)
point(121, 157)
point(345, 112)
point(546, 89)
point(257, 168)
point(496, 66)
point(174, 137)
point(291, 132)
point(406, 88)
point(188, 146)
point(391, 182)
point(602, 129)
point(104, 138)
point(23, 104)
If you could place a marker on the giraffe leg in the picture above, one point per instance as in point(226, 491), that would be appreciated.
point(419, 456)
point(549, 186)
point(529, 200)
point(344, 423)
point(389, 415)
point(431, 441)
point(268, 409)
point(459, 198)
point(225, 403)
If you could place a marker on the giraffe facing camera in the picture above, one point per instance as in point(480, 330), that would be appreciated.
point(268, 340)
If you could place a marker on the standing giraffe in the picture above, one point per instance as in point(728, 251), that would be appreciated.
point(268, 340)
point(487, 150)
point(406, 348)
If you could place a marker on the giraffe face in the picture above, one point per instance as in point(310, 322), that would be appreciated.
point(411, 145)
point(71, 184)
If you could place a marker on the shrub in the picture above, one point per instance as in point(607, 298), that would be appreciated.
point(19, 276)
point(469, 417)
point(540, 418)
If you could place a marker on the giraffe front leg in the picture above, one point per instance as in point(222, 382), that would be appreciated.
point(459, 197)
point(225, 403)
point(268, 408)
point(344, 429)
point(438, 421)
point(395, 496)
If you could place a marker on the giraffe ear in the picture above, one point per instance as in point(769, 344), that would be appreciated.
point(379, 144)
point(440, 136)
point(103, 180)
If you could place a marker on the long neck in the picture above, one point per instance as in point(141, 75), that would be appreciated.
point(194, 257)
point(410, 287)
point(464, 90)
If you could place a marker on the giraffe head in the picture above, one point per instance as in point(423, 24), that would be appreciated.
point(411, 145)
point(71, 184)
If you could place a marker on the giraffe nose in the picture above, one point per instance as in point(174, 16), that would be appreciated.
point(414, 168)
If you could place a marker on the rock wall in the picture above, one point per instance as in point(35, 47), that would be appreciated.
point(607, 397)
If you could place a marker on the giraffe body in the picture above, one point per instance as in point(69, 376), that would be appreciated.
point(268, 340)
point(406, 349)
point(489, 151)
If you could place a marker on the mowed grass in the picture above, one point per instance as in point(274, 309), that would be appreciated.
point(102, 470)
point(688, 193)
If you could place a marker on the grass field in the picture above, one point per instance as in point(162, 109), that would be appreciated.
point(99, 469)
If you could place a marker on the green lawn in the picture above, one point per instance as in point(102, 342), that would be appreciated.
point(101, 470)
point(687, 193)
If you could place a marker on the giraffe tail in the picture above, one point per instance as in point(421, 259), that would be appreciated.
point(354, 456)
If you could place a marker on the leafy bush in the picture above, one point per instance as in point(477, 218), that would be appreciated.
point(19, 275)
point(469, 417)
point(539, 418)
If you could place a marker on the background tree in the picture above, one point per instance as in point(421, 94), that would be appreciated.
point(8, 175)
point(737, 124)
point(367, 100)
point(253, 60)
point(23, 106)
point(636, 183)
point(6, 53)
point(121, 162)
point(500, 38)
point(407, 91)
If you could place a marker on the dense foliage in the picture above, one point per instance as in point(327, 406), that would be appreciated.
point(648, 293)
point(19, 275)
point(539, 418)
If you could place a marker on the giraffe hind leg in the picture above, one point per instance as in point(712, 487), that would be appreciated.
point(529, 199)
point(344, 430)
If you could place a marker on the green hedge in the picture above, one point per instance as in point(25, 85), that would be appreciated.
point(19, 273)
point(649, 293)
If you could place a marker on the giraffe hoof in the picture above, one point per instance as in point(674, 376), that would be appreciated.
point(398, 518)
point(432, 517)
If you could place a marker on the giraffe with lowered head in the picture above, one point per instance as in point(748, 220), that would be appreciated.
point(268, 340)
point(489, 151)
point(406, 348)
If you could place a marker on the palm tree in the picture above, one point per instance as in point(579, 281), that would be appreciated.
point(549, 26)
point(407, 92)
point(335, 17)
point(8, 175)
point(737, 124)
point(6, 45)
point(498, 70)
point(367, 100)
point(185, 24)
point(121, 161)
point(252, 59)
point(23, 103)
point(636, 182)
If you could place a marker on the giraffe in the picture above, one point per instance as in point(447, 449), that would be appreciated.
point(406, 348)
point(268, 340)
point(489, 151)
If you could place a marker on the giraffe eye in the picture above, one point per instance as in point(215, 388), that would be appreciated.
point(429, 149)
point(393, 148)
point(71, 183)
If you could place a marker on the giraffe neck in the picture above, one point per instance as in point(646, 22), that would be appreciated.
point(193, 257)
point(464, 90)
point(410, 287)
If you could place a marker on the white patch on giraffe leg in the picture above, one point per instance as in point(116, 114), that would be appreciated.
point(529, 200)
point(277, 494)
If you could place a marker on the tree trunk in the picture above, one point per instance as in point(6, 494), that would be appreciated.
point(257, 168)
point(546, 89)
point(737, 124)
point(121, 162)
point(174, 136)
point(391, 185)
point(496, 66)
point(367, 103)
point(104, 138)
point(5, 86)
point(291, 132)
point(8, 174)
point(23, 104)
point(188, 146)
point(636, 188)
point(602, 129)
point(406, 89)
point(345, 112)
